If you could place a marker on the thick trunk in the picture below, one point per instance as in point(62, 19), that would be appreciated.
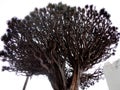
point(58, 82)
point(57, 75)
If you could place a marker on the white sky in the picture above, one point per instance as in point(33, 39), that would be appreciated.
point(21, 8)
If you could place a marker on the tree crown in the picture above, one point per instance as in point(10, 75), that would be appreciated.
point(59, 33)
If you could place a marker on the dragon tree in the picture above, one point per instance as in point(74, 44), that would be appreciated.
point(61, 42)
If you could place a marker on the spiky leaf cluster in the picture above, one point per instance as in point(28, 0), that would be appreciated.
point(70, 35)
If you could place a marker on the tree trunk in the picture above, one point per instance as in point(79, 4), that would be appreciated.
point(57, 78)
point(75, 80)
point(57, 81)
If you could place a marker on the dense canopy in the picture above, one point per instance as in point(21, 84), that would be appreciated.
point(61, 42)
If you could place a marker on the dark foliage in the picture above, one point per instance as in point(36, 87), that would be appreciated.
point(60, 41)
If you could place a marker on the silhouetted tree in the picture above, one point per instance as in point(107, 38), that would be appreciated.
point(61, 42)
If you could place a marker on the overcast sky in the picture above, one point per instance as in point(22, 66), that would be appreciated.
point(21, 8)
